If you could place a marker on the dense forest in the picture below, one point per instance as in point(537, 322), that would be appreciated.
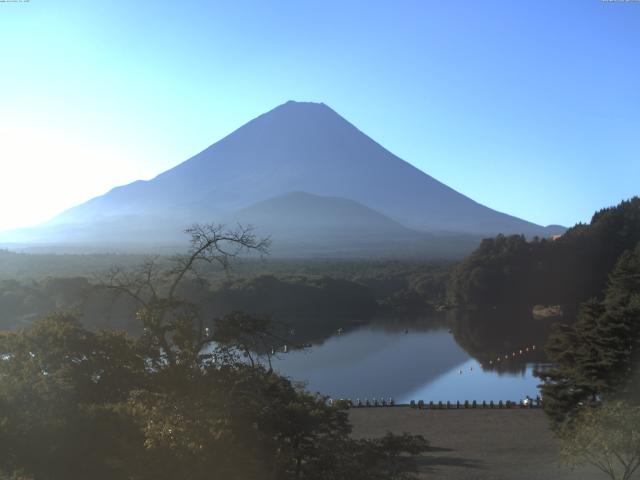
point(314, 298)
point(510, 271)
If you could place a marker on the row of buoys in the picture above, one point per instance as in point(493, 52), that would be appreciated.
point(515, 354)
point(504, 358)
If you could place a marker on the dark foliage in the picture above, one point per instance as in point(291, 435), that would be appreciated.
point(567, 271)
point(76, 404)
point(313, 305)
point(598, 357)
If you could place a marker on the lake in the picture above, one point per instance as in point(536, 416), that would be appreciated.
point(406, 362)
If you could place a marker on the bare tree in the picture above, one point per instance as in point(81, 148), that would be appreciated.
point(171, 324)
point(605, 436)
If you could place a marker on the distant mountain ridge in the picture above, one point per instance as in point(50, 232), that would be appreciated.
point(302, 225)
point(301, 212)
point(296, 147)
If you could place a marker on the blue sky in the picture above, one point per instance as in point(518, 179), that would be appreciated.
point(529, 107)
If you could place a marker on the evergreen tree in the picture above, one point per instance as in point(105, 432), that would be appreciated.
point(597, 357)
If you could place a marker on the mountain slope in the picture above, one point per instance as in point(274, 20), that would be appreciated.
point(294, 147)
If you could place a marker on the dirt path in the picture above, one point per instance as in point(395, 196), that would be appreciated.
point(475, 444)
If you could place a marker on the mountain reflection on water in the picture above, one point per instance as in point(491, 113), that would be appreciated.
point(412, 360)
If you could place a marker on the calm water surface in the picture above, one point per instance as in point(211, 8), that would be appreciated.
point(374, 361)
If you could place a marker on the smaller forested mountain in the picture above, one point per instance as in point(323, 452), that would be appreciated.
point(298, 213)
point(304, 225)
point(509, 270)
point(598, 357)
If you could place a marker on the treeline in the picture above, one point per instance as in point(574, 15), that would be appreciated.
point(24, 302)
point(38, 266)
point(511, 271)
point(312, 305)
point(296, 300)
point(292, 297)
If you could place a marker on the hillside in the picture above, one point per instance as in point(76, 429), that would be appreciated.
point(568, 271)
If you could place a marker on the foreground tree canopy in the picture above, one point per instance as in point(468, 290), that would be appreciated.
point(172, 403)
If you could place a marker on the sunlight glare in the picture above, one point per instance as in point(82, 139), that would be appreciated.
point(46, 173)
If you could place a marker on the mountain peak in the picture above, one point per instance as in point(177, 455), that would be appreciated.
point(294, 103)
point(298, 109)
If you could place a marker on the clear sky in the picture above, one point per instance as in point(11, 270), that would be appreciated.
point(529, 107)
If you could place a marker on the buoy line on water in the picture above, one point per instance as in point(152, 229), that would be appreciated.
point(504, 358)
point(515, 354)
